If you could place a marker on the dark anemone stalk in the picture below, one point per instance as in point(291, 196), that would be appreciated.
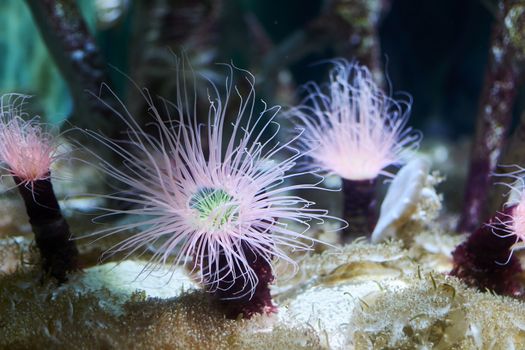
point(27, 153)
point(215, 196)
point(486, 259)
point(352, 129)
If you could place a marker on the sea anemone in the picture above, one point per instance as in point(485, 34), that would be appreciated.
point(27, 152)
point(486, 259)
point(354, 130)
point(512, 224)
point(216, 196)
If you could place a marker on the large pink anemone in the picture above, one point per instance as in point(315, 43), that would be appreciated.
point(218, 195)
point(353, 129)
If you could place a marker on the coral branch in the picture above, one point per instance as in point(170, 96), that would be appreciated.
point(189, 26)
point(495, 109)
point(58, 253)
point(77, 56)
point(359, 39)
point(349, 27)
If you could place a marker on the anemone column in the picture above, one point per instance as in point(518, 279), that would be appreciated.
point(359, 207)
point(58, 253)
point(484, 260)
point(235, 295)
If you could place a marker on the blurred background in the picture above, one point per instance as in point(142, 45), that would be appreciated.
point(434, 50)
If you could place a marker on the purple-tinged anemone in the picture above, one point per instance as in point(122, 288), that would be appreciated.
point(27, 152)
point(354, 130)
point(486, 259)
point(216, 195)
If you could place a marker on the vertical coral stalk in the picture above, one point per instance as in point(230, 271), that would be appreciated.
point(495, 111)
point(348, 27)
point(188, 25)
point(360, 39)
point(514, 152)
point(77, 57)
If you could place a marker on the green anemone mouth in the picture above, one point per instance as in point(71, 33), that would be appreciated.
point(216, 206)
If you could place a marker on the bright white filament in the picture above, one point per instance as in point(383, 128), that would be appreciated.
point(354, 130)
point(513, 223)
point(206, 192)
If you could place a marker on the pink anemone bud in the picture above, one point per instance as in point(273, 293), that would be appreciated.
point(27, 150)
point(352, 129)
point(26, 153)
point(215, 196)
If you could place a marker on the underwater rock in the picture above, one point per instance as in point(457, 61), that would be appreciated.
point(13, 253)
point(411, 199)
point(326, 299)
point(127, 277)
point(433, 249)
point(366, 296)
point(436, 312)
point(109, 307)
point(415, 316)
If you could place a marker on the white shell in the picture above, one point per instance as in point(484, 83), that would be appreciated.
point(401, 199)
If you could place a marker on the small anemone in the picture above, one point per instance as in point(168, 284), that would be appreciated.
point(486, 259)
point(355, 131)
point(27, 151)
